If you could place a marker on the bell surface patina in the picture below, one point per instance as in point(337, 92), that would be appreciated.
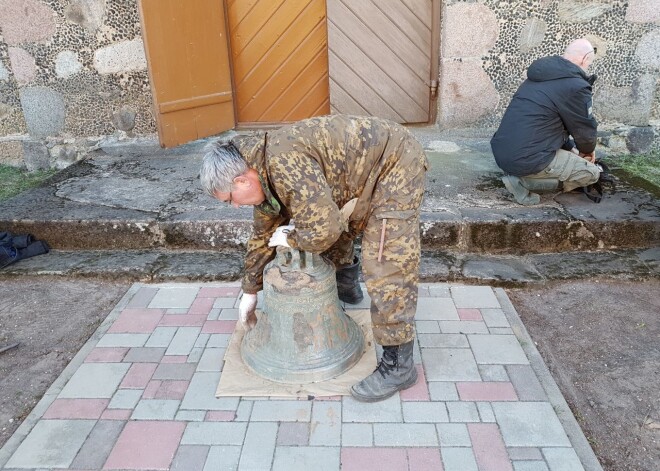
point(303, 334)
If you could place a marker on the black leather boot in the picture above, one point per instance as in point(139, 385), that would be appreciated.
point(348, 283)
point(395, 371)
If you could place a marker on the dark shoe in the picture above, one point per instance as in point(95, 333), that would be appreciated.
point(396, 371)
point(348, 283)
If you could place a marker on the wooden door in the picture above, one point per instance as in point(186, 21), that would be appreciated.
point(187, 53)
point(280, 59)
point(383, 58)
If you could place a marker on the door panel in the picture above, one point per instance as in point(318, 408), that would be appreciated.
point(188, 57)
point(381, 58)
point(280, 59)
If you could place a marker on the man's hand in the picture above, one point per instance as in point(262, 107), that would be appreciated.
point(280, 237)
point(591, 157)
point(246, 311)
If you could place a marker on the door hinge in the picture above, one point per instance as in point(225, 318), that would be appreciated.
point(434, 88)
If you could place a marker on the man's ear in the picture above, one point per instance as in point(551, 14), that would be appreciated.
point(242, 180)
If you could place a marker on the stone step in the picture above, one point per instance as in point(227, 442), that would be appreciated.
point(436, 265)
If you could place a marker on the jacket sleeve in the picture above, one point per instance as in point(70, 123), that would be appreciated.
point(258, 252)
point(301, 184)
point(576, 113)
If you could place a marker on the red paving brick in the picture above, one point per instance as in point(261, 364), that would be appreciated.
point(146, 445)
point(420, 391)
point(373, 459)
point(183, 320)
point(221, 292)
point(136, 321)
point(424, 459)
point(76, 409)
point(486, 391)
point(469, 314)
point(106, 355)
point(219, 327)
point(172, 389)
point(488, 447)
point(138, 376)
point(220, 416)
point(117, 414)
point(201, 306)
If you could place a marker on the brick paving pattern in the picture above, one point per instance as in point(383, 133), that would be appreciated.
point(143, 398)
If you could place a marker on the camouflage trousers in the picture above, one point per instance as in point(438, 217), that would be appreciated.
point(390, 269)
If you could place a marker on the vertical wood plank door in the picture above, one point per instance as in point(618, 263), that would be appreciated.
point(188, 57)
point(280, 59)
point(380, 56)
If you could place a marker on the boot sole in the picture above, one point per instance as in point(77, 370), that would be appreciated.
point(405, 385)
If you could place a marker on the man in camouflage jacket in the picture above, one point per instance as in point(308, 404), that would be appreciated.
point(336, 177)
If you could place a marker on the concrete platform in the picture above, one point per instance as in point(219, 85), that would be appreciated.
point(140, 395)
point(125, 200)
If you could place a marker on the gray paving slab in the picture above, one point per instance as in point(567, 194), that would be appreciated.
point(244, 410)
point(422, 412)
point(174, 371)
point(190, 458)
point(357, 435)
point(174, 297)
point(183, 341)
point(453, 435)
point(98, 445)
point(288, 458)
point(325, 428)
point(212, 359)
point(259, 446)
point(293, 434)
point(494, 317)
point(463, 327)
point(526, 384)
point(436, 309)
point(474, 297)
point(223, 458)
point(427, 327)
point(214, 433)
point(530, 466)
point(51, 444)
point(562, 459)
point(95, 380)
point(458, 459)
point(532, 424)
point(144, 355)
point(493, 373)
point(463, 411)
point(524, 453)
point(486, 412)
point(443, 391)
point(388, 410)
point(405, 435)
point(444, 340)
point(201, 394)
point(125, 399)
point(281, 411)
point(123, 340)
point(155, 409)
point(497, 349)
point(161, 337)
point(191, 415)
point(450, 364)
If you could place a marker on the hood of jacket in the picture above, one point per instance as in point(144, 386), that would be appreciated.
point(553, 68)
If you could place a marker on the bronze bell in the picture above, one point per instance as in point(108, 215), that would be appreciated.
point(303, 334)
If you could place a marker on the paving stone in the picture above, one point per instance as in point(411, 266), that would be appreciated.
point(424, 412)
point(463, 327)
point(177, 311)
point(524, 453)
point(497, 349)
point(201, 341)
point(495, 318)
point(281, 411)
point(220, 416)
point(183, 341)
point(373, 459)
point(146, 445)
point(442, 341)
point(479, 297)
point(450, 364)
point(201, 394)
point(357, 435)
point(51, 444)
point(201, 306)
point(458, 459)
point(453, 435)
point(219, 327)
point(220, 291)
point(98, 445)
point(174, 371)
point(106, 355)
point(195, 355)
point(493, 373)
point(213, 315)
point(94, 380)
point(76, 409)
point(424, 458)
point(190, 458)
point(486, 412)
point(259, 446)
point(325, 424)
point(470, 314)
point(161, 337)
point(142, 297)
point(427, 327)
point(244, 411)
point(214, 433)
point(155, 409)
point(439, 290)
point(116, 414)
point(562, 459)
point(463, 412)
point(123, 340)
point(174, 297)
point(136, 321)
point(419, 391)
point(228, 314)
point(125, 399)
point(443, 391)
point(212, 359)
point(532, 424)
point(318, 458)
point(144, 355)
point(405, 435)
point(224, 303)
point(185, 320)
point(138, 376)
point(218, 341)
point(530, 466)
point(388, 410)
point(500, 330)
point(293, 434)
point(488, 448)
point(526, 383)
point(191, 415)
point(486, 391)
point(223, 458)
point(436, 309)
point(169, 359)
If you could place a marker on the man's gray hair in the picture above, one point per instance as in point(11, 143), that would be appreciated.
point(222, 163)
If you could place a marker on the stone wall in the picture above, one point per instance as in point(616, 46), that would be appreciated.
point(71, 73)
point(487, 45)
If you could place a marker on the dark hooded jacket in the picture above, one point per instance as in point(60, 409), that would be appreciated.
point(554, 102)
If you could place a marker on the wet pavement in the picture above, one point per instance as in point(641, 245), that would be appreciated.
point(140, 395)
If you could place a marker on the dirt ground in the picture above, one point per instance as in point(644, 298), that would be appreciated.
point(600, 340)
point(52, 319)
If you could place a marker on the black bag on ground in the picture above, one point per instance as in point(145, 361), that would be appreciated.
point(17, 247)
point(595, 191)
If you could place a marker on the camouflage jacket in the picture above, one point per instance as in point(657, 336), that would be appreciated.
point(311, 169)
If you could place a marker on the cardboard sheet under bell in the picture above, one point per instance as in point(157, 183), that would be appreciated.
point(237, 379)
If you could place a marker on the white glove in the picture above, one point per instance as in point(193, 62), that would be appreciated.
point(246, 311)
point(280, 236)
